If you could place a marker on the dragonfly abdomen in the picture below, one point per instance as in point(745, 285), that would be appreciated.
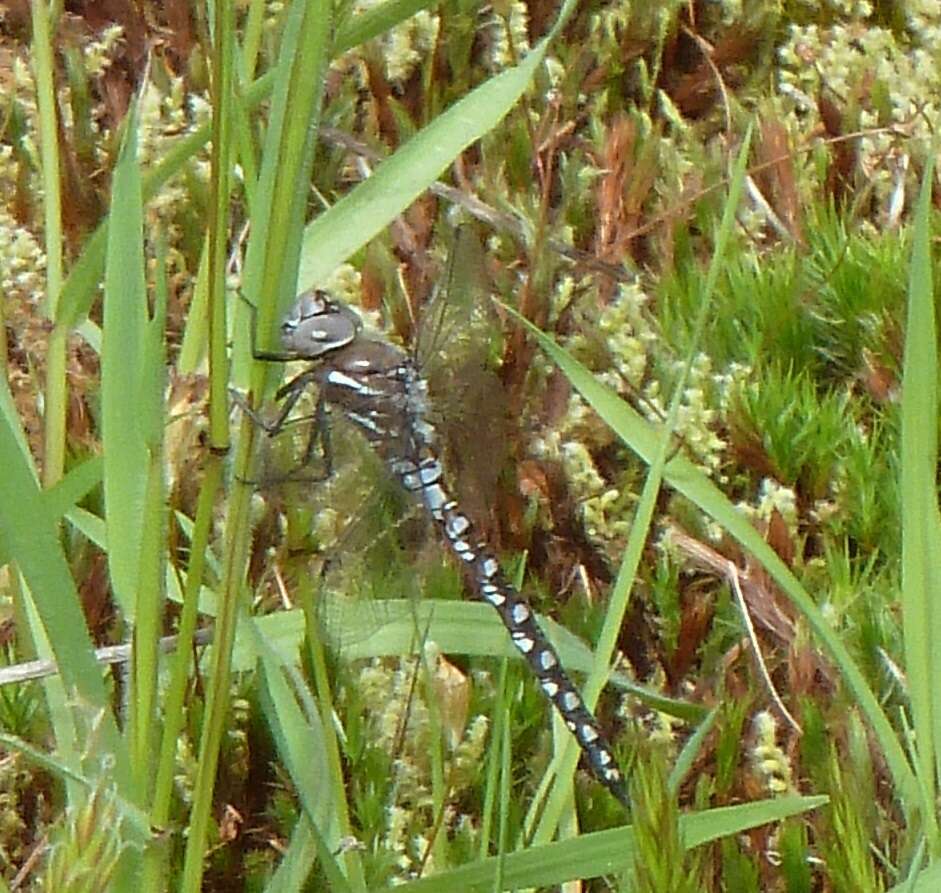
point(490, 585)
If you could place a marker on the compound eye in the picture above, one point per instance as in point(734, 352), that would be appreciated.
point(316, 325)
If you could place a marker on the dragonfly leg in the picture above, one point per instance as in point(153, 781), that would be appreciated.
point(245, 406)
point(267, 356)
point(290, 393)
point(280, 423)
point(319, 422)
point(320, 430)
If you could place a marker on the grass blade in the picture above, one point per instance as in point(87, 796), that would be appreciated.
point(647, 503)
point(301, 745)
point(270, 274)
point(921, 527)
point(369, 208)
point(29, 536)
point(604, 852)
point(273, 264)
point(56, 390)
point(644, 439)
point(122, 375)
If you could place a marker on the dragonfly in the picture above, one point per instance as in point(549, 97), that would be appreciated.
point(380, 389)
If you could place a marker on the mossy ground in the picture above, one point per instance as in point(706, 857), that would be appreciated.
point(620, 153)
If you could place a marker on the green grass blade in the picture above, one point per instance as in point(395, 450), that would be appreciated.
point(926, 881)
point(74, 487)
point(62, 498)
point(272, 264)
point(369, 208)
point(604, 852)
point(691, 750)
point(58, 501)
point(132, 375)
point(301, 745)
point(921, 528)
point(148, 614)
point(122, 375)
point(56, 395)
point(646, 505)
point(295, 866)
point(326, 705)
point(11, 419)
point(687, 479)
point(270, 275)
point(43, 61)
point(174, 716)
point(29, 536)
point(458, 627)
point(196, 332)
point(83, 280)
point(225, 110)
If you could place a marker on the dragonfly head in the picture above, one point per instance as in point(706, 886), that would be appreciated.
point(318, 324)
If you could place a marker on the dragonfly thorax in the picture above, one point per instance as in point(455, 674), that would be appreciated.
point(317, 324)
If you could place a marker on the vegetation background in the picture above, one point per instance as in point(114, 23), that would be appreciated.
point(720, 469)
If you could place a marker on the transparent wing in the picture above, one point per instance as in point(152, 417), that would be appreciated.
point(355, 533)
point(459, 317)
point(459, 349)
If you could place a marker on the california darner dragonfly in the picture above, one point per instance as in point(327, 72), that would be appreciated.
point(380, 389)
